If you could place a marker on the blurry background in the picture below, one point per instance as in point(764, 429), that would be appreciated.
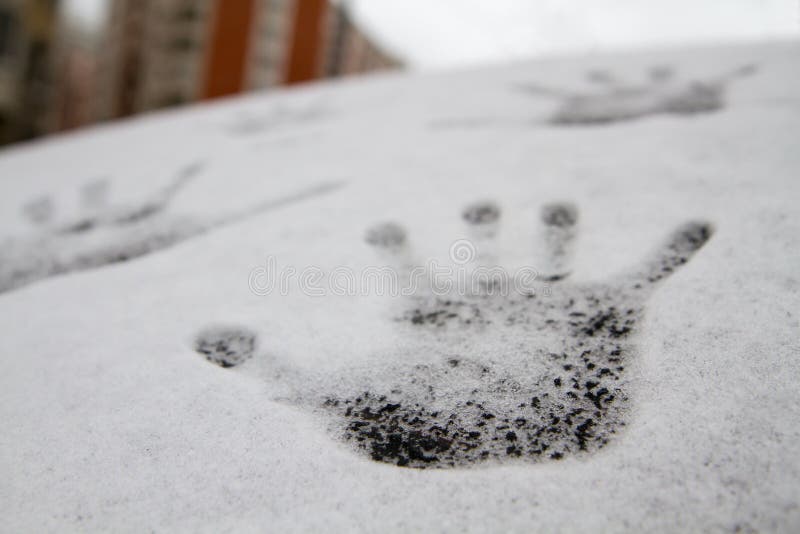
point(70, 63)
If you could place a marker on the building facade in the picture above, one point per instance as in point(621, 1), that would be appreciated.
point(27, 35)
point(152, 55)
point(161, 53)
point(74, 79)
point(349, 50)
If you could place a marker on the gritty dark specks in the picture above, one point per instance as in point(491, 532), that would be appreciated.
point(413, 435)
point(226, 346)
point(560, 214)
point(386, 235)
point(481, 213)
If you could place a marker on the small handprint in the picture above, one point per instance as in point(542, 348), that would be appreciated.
point(517, 376)
point(616, 101)
point(103, 234)
point(661, 94)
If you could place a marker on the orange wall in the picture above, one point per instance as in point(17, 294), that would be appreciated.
point(307, 41)
point(226, 66)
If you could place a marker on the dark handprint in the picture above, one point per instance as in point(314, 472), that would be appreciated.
point(519, 376)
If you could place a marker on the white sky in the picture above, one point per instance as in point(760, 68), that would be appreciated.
point(445, 33)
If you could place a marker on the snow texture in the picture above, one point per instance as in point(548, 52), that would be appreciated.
point(647, 383)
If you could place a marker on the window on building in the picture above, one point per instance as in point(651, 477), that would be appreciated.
point(182, 44)
point(172, 100)
point(187, 14)
point(7, 28)
point(36, 68)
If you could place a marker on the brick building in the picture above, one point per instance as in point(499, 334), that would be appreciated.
point(27, 35)
point(160, 53)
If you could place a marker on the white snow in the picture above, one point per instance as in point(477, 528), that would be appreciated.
point(113, 422)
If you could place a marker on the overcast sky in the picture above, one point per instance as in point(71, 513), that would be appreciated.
point(447, 33)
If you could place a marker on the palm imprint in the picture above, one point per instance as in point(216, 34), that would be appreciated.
point(484, 376)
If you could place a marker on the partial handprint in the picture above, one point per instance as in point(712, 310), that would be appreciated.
point(485, 376)
point(104, 235)
point(618, 101)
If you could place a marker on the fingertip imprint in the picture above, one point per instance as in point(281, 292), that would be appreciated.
point(693, 235)
point(39, 210)
point(386, 235)
point(190, 169)
point(661, 73)
point(484, 212)
point(94, 194)
point(557, 277)
point(747, 70)
point(599, 76)
point(560, 214)
point(226, 346)
point(679, 248)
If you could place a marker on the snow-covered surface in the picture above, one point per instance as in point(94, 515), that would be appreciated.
point(112, 420)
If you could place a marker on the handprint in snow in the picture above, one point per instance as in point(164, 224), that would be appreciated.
point(105, 234)
point(616, 101)
point(519, 376)
point(661, 94)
